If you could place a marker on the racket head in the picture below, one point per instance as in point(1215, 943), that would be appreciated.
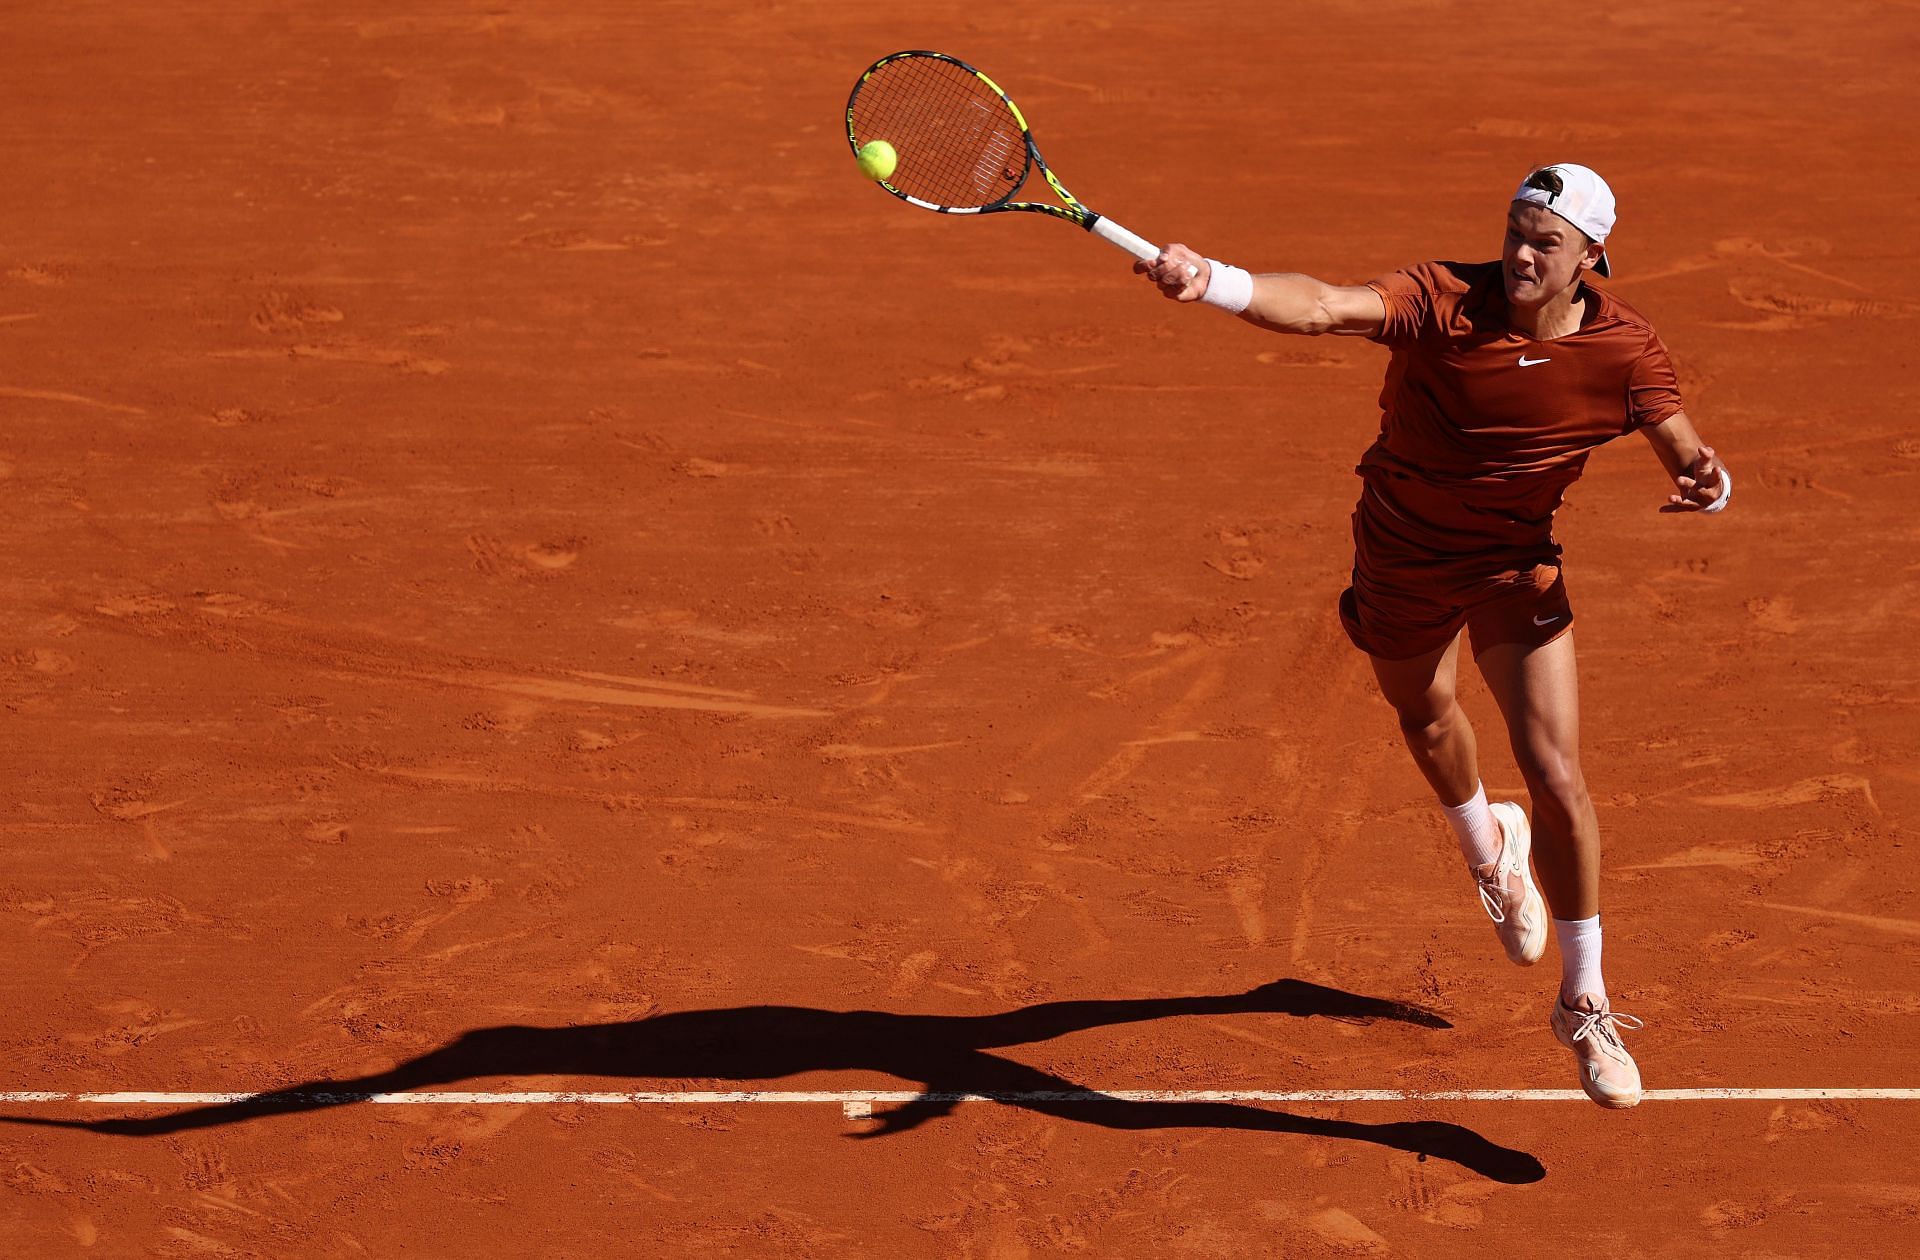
point(962, 145)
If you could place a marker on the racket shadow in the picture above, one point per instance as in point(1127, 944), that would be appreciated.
point(947, 1054)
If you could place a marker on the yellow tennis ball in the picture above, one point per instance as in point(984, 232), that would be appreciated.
point(877, 159)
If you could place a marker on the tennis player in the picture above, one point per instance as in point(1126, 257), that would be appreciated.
point(1505, 376)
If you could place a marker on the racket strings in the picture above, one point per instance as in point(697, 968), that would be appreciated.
point(958, 142)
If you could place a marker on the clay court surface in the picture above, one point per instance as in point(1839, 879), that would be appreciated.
point(504, 531)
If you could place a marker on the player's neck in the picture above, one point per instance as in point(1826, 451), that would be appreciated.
point(1556, 317)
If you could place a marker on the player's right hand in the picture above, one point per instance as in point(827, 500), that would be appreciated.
point(1180, 273)
point(1703, 484)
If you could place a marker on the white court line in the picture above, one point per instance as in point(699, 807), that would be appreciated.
point(860, 1102)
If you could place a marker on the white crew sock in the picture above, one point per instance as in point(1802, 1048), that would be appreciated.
point(1580, 958)
point(1473, 823)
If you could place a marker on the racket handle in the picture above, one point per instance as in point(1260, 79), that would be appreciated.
point(1107, 230)
point(1139, 246)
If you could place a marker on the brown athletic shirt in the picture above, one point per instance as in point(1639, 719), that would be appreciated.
point(1482, 429)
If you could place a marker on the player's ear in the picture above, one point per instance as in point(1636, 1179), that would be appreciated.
point(1591, 259)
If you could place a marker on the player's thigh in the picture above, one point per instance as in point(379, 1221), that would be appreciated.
point(1420, 688)
point(1537, 689)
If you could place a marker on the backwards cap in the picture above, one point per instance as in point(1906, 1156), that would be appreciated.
point(1578, 195)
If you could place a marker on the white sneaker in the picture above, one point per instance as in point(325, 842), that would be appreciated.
point(1592, 1031)
point(1518, 911)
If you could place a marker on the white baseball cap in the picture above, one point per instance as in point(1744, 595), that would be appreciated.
point(1578, 195)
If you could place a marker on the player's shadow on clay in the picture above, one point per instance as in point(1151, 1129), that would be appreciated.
point(947, 1053)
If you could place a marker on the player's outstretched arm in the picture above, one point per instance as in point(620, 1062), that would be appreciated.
point(1284, 303)
point(1701, 482)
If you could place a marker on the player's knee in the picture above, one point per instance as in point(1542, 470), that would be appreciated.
point(1554, 778)
point(1427, 725)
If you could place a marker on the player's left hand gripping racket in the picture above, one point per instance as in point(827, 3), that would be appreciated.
point(962, 146)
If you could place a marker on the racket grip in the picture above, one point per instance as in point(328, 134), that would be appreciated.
point(1107, 230)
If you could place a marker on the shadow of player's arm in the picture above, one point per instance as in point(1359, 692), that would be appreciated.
point(438, 1067)
point(297, 1098)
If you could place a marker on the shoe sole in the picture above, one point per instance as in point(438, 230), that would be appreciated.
point(1533, 907)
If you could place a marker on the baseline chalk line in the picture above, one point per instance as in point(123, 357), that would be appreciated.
point(859, 1103)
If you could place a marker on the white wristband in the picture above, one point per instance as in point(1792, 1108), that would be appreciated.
point(1228, 287)
point(1726, 493)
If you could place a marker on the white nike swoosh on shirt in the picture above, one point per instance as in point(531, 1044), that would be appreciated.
point(1545, 621)
point(1526, 362)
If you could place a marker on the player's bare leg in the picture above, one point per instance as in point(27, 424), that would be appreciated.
point(1538, 692)
point(1494, 838)
point(1537, 689)
point(1421, 691)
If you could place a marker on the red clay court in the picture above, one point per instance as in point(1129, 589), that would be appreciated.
point(525, 576)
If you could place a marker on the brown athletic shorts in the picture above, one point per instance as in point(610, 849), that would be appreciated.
point(1407, 599)
point(1400, 613)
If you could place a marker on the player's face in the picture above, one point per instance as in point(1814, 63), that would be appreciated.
point(1544, 254)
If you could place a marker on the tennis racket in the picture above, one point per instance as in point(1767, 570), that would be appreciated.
point(962, 145)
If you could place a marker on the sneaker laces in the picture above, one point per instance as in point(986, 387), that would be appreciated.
point(1603, 1025)
point(1493, 888)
